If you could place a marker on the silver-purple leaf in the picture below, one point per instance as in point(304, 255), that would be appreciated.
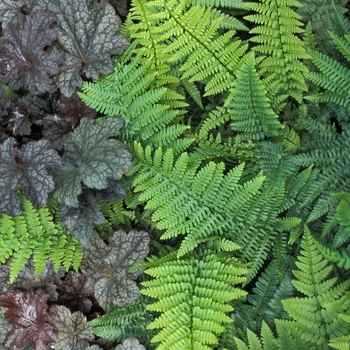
point(88, 35)
point(25, 169)
point(109, 267)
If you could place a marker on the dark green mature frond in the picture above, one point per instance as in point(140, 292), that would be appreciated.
point(197, 203)
point(335, 253)
point(333, 77)
point(329, 152)
point(276, 39)
point(193, 295)
point(317, 315)
point(317, 13)
point(121, 323)
point(36, 232)
point(250, 110)
point(264, 302)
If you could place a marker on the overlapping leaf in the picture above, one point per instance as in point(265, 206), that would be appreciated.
point(108, 266)
point(25, 169)
point(79, 220)
point(91, 156)
point(27, 313)
point(75, 291)
point(13, 10)
point(72, 329)
point(27, 51)
point(88, 35)
point(19, 121)
point(28, 280)
point(58, 126)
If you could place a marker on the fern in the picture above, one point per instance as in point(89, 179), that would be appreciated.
point(276, 39)
point(249, 110)
point(192, 295)
point(36, 232)
point(130, 93)
point(198, 203)
point(317, 315)
point(333, 76)
point(173, 33)
point(121, 323)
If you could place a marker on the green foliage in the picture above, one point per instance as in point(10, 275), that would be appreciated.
point(317, 315)
point(37, 232)
point(230, 148)
point(199, 203)
point(333, 77)
point(121, 323)
point(192, 295)
point(131, 93)
point(276, 36)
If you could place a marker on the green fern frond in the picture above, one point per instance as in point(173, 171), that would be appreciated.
point(35, 232)
point(267, 342)
point(316, 316)
point(276, 38)
point(343, 210)
point(250, 110)
point(233, 4)
point(191, 36)
point(193, 295)
point(342, 259)
point(291, 141)
point(228, 22)
point(130, 93)
point(333, 75)
point(341, 343)
point(185, 200)
point(121, 323)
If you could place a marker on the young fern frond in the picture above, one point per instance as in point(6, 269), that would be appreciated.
point(276, 39)
point(199, 203)
point(316, 316)
point(34, 231)
point(267, 342)
point(193, 295)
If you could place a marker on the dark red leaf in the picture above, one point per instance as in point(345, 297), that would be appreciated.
point(27, 313)
point(58, 126)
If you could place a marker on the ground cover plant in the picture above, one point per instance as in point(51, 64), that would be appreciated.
point(174, 174)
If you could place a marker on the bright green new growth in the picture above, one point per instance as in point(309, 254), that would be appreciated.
point(36, 232)
point(193, 295)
